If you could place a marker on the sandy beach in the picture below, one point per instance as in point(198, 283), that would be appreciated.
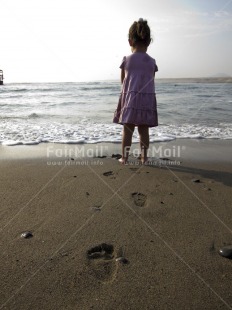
point(107, 236)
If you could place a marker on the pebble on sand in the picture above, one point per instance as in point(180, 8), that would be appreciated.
point(226, 251)
point(116, 156)
point(196, 180)
point(108, 173)
point(27, 234)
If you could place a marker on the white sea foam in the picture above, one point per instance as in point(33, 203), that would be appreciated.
point(11, 142)
point(29, 133)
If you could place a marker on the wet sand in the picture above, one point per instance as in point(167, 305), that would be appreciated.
point(107, 236)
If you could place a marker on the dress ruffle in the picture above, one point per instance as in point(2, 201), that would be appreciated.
point(136, 108)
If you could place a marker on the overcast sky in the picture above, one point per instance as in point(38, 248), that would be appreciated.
point(85, 40)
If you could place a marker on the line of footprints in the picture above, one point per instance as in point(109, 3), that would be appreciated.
point(103, 259)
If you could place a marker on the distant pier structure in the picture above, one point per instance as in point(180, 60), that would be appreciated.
point(1, 77)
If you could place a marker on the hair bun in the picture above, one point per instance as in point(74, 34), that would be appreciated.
point(139, 32)
point(141, 20)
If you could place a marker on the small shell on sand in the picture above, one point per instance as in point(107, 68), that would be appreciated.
point(27, 234)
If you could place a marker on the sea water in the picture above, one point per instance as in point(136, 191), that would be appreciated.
point(83, 112)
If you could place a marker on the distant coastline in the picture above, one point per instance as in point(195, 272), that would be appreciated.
point(196, 80)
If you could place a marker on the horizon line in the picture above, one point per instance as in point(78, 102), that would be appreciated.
point(229, 78)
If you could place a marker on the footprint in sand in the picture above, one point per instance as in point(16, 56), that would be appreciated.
point(139, 199)
point(134, 169)
point(96, 208)
point(101, 260)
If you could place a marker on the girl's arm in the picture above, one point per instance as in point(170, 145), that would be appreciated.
point(122, 75)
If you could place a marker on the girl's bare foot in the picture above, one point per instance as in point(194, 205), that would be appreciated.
point(123, 161)
point(145, 161)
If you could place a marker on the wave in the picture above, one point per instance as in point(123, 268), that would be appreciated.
point(24, 117)
point(33, 115)
point(29, 132)
point(112, 88)
point(219, 109)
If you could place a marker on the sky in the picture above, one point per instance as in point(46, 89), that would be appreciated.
point(85, 40)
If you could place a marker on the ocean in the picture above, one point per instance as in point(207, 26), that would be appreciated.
point(83, 112)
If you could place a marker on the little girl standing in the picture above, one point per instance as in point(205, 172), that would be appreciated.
point(137, 101)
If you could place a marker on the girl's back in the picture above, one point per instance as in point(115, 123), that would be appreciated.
point(139, 72)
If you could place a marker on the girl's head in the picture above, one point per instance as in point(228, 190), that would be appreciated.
point(139, 34)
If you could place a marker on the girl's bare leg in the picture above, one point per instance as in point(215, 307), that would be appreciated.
point(144, 141)
point(128, 130)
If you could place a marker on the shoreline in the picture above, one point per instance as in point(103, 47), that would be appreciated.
point(196, 150)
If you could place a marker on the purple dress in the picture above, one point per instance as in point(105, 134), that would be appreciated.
point(137, 101)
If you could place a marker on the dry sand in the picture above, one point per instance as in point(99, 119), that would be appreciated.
point(86, 213)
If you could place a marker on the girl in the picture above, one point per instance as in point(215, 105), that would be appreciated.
point(137, 101)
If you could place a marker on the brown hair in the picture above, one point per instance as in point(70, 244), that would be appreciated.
point(139, 32)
